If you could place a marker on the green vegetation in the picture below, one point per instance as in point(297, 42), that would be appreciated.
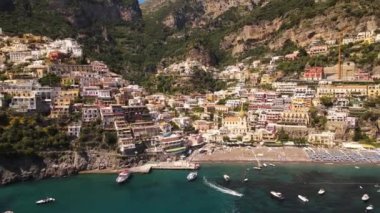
point(50, 80)
point(327, 101)
point(30, 134)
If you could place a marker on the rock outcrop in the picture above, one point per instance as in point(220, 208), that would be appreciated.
point(58, 164)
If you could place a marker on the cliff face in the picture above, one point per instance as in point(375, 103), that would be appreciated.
point(57, 164)
point(65, 17)
point(85, 13)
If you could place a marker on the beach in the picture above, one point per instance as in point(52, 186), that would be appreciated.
point(285, 154)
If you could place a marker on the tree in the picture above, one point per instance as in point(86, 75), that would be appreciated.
point(358, 135)
point(326, 101)
point(110, 138)
point(50, 79)
point(282, 135)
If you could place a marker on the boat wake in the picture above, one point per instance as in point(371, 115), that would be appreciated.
point(222, 189)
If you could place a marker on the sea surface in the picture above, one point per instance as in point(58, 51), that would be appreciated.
point(168, 191)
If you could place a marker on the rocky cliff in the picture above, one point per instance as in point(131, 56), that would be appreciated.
point(58, 164)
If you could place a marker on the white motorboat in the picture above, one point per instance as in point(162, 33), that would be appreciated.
point(321, 192)
point(265, 165)
point(277, 195)
point(123, 176)
point(257, 168)
point(245, 180)
point(192, 176)
point(226, 177)
point(271, 164)
point(365, 197)
point(303, 198)
point(360, 187)
point(356, 167)
point(45, 201)
point(369, 208)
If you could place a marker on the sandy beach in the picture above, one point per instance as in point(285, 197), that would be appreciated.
point(252, 154)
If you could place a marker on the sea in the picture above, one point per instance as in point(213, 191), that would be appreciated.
point(169, 191)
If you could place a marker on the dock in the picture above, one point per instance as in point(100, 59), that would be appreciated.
point(145, 169)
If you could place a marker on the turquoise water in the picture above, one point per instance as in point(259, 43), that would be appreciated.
point(168, 191)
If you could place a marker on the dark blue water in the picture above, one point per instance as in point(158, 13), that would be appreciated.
point(168, 191)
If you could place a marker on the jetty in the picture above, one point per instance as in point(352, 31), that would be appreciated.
point(146, 168)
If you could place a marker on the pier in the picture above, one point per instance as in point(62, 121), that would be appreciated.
point(145, 169)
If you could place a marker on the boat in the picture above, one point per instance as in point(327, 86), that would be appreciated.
point(321, 192)
point(356, 167)
point(365, 197)
point(360, 187)
point(45, 201)
point(123, 176)
point(192, 176)
point(265, 165)
point(226, 177)
point(245, 180)
point(257, 168)
point(277, 195)
point(271, 164)
point(369, 208)
point(303, 198)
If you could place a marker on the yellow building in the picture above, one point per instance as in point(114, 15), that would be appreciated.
point(67, 80)
point(236, 124)
point(295, 117)
point(70, 93)
point(301, 104)
point(63, 100)
point(266, 79)
point(342, 90)
point(373, 91)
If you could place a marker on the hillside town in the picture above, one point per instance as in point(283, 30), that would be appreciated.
point(325, 107)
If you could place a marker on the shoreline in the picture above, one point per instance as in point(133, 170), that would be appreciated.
point(239, 162)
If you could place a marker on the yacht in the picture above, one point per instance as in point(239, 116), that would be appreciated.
point(123, 176)
point(46, 200)
point(226, 177)
point(277, 195)
point(303, 198)
point(365, 197)
point(369, 208)
point(192, 176)
point(321, 192)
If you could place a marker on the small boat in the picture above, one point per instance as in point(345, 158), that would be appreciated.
point(257, 168)
point(271, 164)
point(378, 190)
point(365, 197)
point(356, 167)
point(277, 195)
point(360, 187)
point(265, 165)
point(303, 198)
point(45, 201)
point(376, 185)
point(123, 176)
point(369, 208)
point(321, 192)
point(226, 177)
point(192, 176)
point(245, 180)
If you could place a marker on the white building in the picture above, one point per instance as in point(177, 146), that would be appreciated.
point(322, 139)
point(19, 56)
point(90, 113)
point(24, 103)
point(74, 129)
